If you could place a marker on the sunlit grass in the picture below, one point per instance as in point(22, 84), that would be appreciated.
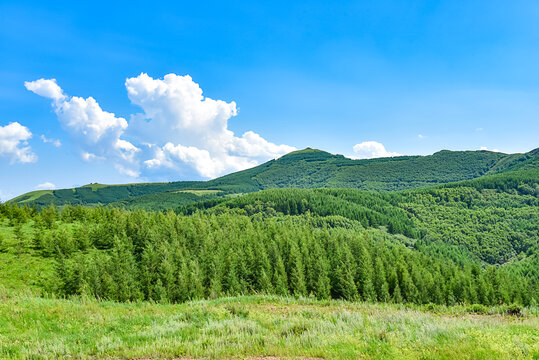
point(250, 326)
point(21, 267)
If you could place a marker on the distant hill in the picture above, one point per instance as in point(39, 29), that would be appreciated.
point(308, 168)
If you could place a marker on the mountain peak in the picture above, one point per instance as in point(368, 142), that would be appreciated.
point(307, 154)
point(306, 150)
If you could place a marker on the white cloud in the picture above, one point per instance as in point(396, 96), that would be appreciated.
point(46, 186)
point(55, 142)
point(199, 159)
point(372, 149)
point(180, 131)
point(479, 129)
point(46, 88)
point(14, 143)
point(484, 148)
point(192, 130)
point(97, 132)
point(421, 136)
point(87, 156)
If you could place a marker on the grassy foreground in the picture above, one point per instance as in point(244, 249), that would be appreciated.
point(245, 327)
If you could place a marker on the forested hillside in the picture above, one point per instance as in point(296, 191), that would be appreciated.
point(124, 255)
point(495, 218)
point(307, 168)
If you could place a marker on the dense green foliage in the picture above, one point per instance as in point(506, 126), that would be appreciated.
point(98, 193)
point(133, 255)
point(168, 199)
point(300, 169)
point(492, 218)
point(370, 209)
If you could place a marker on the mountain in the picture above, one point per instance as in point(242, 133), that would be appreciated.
point(308, 168)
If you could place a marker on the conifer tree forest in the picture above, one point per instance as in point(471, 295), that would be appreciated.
point(473, 242)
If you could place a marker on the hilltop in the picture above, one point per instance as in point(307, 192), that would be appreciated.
point(308, 168)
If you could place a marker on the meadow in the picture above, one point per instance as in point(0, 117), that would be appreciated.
point(257, 327)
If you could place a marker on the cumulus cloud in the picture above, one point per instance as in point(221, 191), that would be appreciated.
point(372, 149)
point(484, 148)
point(97, 132)
point(179, 131)
point(54, 142)
point(46, 88)
point(188, 129)
point(172, 156)
point(14, 143)
point(46, 186)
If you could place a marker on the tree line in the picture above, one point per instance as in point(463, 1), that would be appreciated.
point(122, 255)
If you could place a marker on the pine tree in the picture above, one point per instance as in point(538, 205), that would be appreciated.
point(159, 292)
point(392, 281)
point(297, 276)
point(437, 295)
point(364, 276)
point(168, 276)
point(48, 217)
point(344, 282)
point(196, 288)
point(381, 286)
point(407, 287)
point(183, 282)
point(450, 297)
point(232, 282)
point(397, 297)
point(320, 273)
point(20, 236)
point(262, 270)
point(124, 270)
point(148, 271)
point(280, 281)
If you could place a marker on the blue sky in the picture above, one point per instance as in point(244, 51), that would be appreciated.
point(358, 78)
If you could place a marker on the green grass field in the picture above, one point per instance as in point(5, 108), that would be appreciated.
point(200, 192)
point(253, 327)
point(21, 268)
point(31, 196)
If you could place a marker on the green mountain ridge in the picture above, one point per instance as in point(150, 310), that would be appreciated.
point(308, 168)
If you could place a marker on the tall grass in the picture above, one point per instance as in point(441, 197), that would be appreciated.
point(41, 328)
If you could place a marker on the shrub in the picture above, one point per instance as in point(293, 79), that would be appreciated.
point(477, 309)
point(514, 309)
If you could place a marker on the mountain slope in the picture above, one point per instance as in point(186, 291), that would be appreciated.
point(493, 217)
point(308, 168)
